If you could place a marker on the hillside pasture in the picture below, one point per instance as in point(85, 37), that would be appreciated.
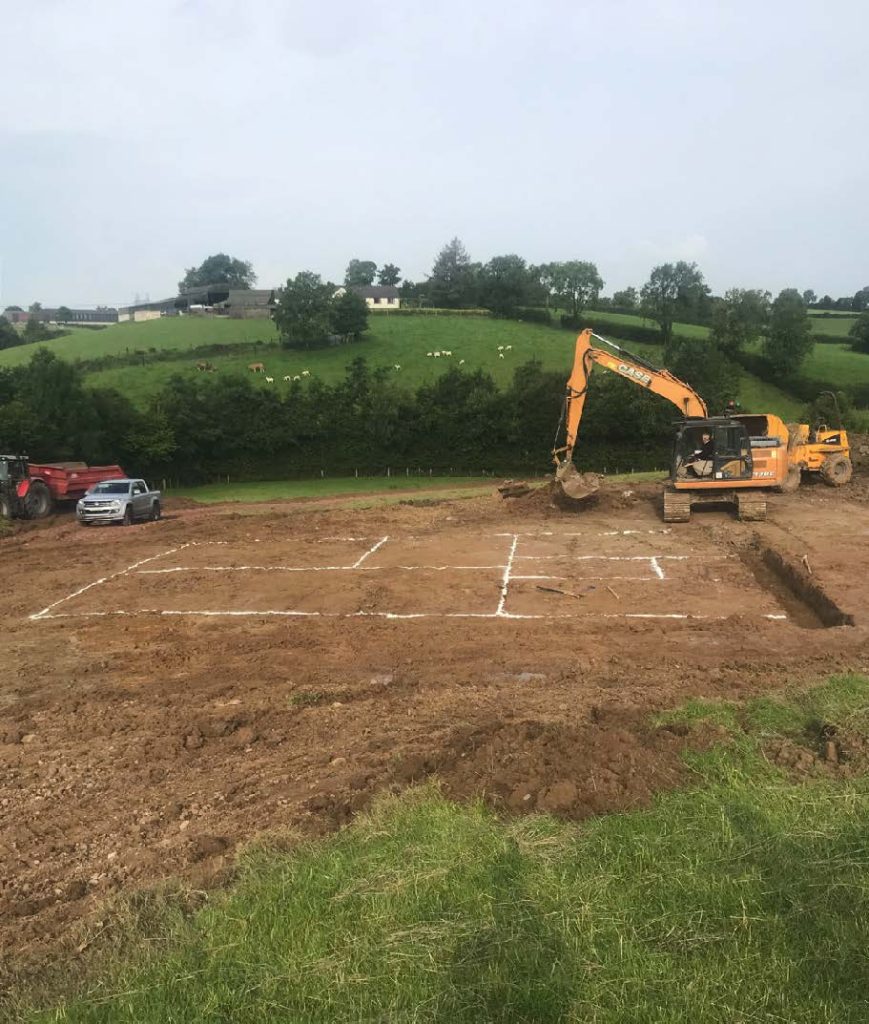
point(839, 326)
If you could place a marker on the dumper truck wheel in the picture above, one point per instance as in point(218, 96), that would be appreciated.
point(5, 507)
point(836, 470)
point(37, 501)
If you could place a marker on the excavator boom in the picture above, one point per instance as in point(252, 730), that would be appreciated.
point(660, 381)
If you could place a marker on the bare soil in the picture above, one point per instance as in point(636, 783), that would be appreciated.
point(244, 670)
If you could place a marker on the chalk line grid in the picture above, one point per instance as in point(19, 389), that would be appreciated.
point(656, 574)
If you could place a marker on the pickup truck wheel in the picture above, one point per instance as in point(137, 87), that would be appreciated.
point(37, 501)
point(128, 516)
point(156, 512)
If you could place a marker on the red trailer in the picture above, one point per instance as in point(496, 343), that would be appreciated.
point(32, 489)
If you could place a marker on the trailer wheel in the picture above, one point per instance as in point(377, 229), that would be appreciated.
point(37, 501)
point(5, 507)
point(156, 512)
point(128, 516)
point(836, 470)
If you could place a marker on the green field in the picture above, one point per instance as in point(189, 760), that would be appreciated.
point(836, 325)
point(278, 490)
point(391, 341)
point(743, 898)
point(834, 364)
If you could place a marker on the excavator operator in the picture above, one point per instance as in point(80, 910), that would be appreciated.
point(699, 462)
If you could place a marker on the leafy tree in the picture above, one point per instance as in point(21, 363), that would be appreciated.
point(389, 274)
point(861, 300)
point(739, 318)
point(579, 284)
point(826, 302)
point(860, 333)
point(360, 273)
point(349, 315)
point(672, 288)
point(809, 297)
point(505, 284)
point(34, 330)
point(706, 367)
point(64, 314)
point(789, 339)
point(219, 269)
point(303, 311)
point(628, 298)
point(34, 307)
point(452, 283)
point(9, 337)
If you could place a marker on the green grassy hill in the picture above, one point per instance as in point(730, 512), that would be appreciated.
point(391, 341)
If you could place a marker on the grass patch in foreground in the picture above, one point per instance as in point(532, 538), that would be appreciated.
point(275, 490)
point(745, 898)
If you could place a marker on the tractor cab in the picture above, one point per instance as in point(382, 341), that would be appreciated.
point(13, 469)
point(716, 448)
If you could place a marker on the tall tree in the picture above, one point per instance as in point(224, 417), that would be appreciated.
point(452, 283)
point(9, 337)
point(861, 300)
point(672, 288)
point(35, 307)
point(64, 314)
point(303, 313)
point(789, 339)
point(219, 269)
point(505, 284)
point(809, 297)
point(628, 298)
point(579, 283)
point(739, 318)
point(389, 274)
point(349, 315)
point(860, 333)
point(360, 273)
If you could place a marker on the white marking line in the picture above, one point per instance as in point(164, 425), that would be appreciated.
point(272, 613)
point(45, 613)
point(370, 552)
point(582, 579)
point(505, 580)
point(619, 558)
point(656, 568)
point(310, 568)
point(604, 533)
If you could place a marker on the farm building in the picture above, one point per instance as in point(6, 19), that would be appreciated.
point(101, 315)
point(239, 303)
point(379, 296)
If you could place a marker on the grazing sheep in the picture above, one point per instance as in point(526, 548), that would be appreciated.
point(270, 380)
point(500, 348)
point(508, 348)
point(306, 373)
point(437, 355)
point(287, 379)
point(396, 366)
point(429, 354)
point(461, 362)
point(500, 355)
point(297, 377)
point(447, 353)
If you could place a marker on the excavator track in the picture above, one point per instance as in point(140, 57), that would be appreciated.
point(677, 506)
point(751, 507)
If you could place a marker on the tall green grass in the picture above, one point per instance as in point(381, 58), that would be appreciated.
point(743, 898)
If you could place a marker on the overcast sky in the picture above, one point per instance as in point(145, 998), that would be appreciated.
point(137, 138)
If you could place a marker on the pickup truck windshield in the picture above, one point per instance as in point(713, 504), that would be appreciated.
point(110, 488)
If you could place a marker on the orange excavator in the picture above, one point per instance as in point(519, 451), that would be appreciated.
point(733, 458)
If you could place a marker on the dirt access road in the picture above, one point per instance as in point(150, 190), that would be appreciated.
point(175, 689)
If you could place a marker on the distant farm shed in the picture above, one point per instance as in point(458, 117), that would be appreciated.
point(239, 303)
point(379, 296)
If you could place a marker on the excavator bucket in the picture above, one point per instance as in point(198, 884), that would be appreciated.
point(570, 483)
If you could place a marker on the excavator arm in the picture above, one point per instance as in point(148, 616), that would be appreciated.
point(660, 381)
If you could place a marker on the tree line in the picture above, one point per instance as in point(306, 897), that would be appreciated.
point(195, 430)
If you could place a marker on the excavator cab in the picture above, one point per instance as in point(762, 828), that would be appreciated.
point(711, 449)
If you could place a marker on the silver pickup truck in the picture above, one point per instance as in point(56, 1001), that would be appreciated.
point(118, 501)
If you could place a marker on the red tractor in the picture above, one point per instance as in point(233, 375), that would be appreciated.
point(28, 491)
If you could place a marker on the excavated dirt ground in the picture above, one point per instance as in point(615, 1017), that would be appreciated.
point(173, 690)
